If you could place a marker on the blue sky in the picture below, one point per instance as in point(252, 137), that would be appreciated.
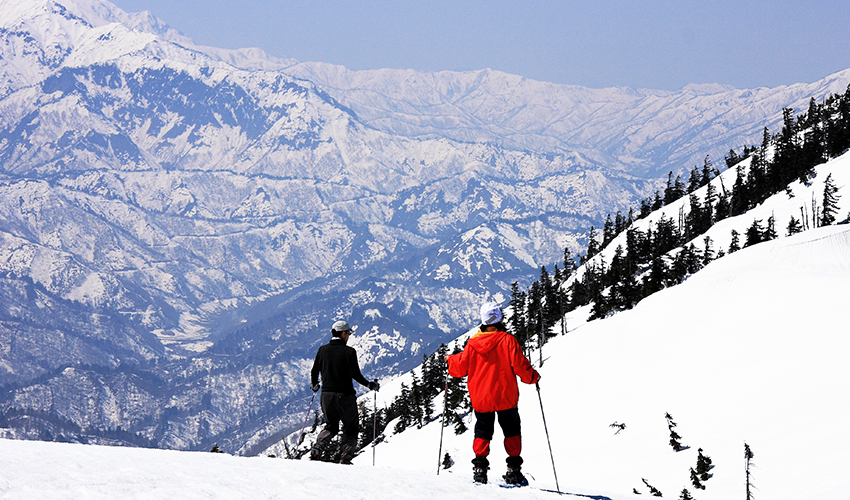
point(594, 43)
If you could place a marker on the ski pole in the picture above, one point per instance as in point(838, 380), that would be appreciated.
point(443, 422)
point(374, 427)
point(304, 425)
point(546, 428)
point(286, 447)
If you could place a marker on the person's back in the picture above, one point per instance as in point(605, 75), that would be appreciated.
point(491, 361)
point(337, 365)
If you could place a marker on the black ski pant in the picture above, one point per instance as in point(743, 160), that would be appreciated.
point(511, 428)
point(338, 407)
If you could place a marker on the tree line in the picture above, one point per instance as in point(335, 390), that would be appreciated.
point(643, 266)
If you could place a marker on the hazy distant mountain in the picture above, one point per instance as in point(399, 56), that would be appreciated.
point(179, 225)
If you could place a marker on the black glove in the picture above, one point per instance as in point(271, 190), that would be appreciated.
point(374, 386)
point(315, 387)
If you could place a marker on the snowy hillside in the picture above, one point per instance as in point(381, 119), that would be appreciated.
point(751, 349)
point(37, 470)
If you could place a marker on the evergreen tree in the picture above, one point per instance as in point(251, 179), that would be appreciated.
point(814, 145)
point(678, 188)
point(732, 158)
point(770, 232)
point(675, 438)
point(830, 202)
point(755, 234)
point(657, 277)
point(669, 194)
point(447, 461)
point(652, 489)
point(695, 480)
point(740, 193)
point(569, 264)
point(601, 306)
point(657, 201)
point(723, 207)
point(694, 221)
point(592, 245)
point(693, 180)
point(645, 208)
point(517, 322)
point(708, 253)
point(704, 466)
point(794, 227)
point(748, 457)
point(735, 244)
point(550, 310)
point(402, 409)
point(620, 223)
point(685, 495)
point(607, 230)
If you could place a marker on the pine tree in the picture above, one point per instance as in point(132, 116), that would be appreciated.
point(652, 489)
point(693, 180)
point(708, 253)
point(735, 244)
point(704, 466)
point(695, 480)
point(794, 227)
point(447, 461)
point(755, 234)
point(674, 436)
point(770, 232)
point(748, 457)
point(657, 201)
point(740, 193)
point(592, 245)
point(685, 495)
point(732, 158)
point(517, 322)
point(830, 202)
point(669, 195)
point(569, 264)
point(607, 230)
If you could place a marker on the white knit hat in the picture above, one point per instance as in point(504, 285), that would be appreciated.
point(491, 313)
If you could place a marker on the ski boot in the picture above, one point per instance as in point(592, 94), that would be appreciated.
point(479, 469)
point(514, 477)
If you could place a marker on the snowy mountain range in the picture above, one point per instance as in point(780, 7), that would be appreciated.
point(180, 225)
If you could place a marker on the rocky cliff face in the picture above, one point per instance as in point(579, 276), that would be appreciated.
point(180, 225)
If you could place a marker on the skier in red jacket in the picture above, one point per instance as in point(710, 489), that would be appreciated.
point(492, 360)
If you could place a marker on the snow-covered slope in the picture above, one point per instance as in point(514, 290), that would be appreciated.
point(37, 470)
point(751, 349)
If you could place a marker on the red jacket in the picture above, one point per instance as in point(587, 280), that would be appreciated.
point(493, 361)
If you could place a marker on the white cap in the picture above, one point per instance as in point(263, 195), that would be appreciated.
point(491, 313)
point(341, 326)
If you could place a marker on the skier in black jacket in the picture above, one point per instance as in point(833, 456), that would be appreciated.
point(337, 364)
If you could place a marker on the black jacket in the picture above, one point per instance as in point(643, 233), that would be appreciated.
point(338, 365)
